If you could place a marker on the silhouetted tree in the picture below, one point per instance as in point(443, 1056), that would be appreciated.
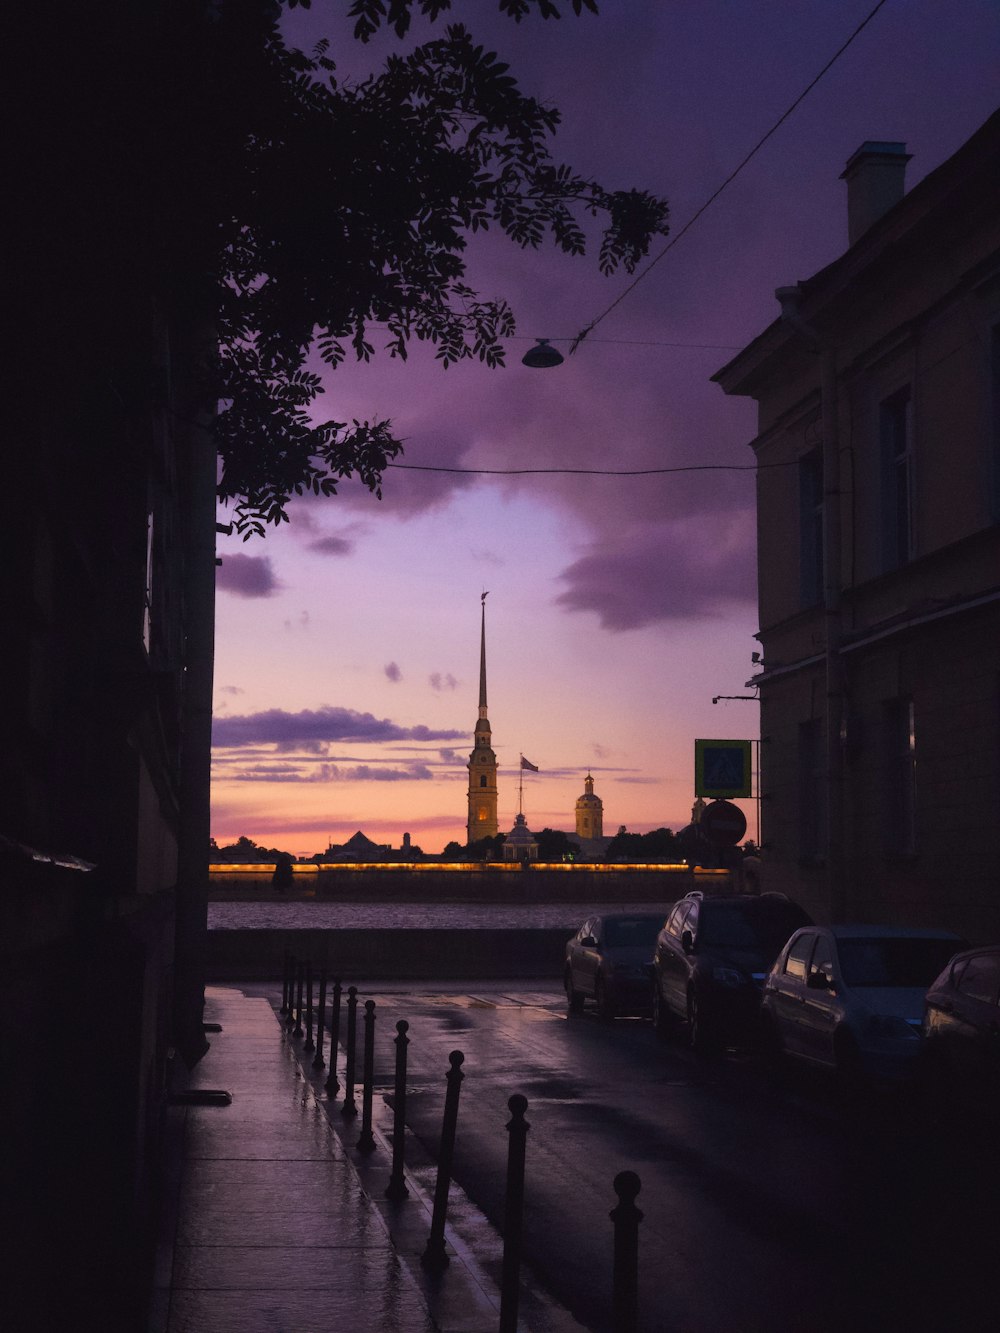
point(659, 845)
point(294, 210)
point(554, 845)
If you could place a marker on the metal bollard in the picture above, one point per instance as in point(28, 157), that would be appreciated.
point(309, 1045)
point(284, 983)
point(625, 1280)
point(513, 1213)
point(435, 1257)
point(290, 1013)
point(332, 1084)
point(297, 1029)
point(396, 1188)
point(318, 1061)
point(349, 1107)
point(366, 1139)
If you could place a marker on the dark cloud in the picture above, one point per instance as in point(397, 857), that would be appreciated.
point(319, 748)
point(447, 756)
point(442, 682)
point(331, 773)
point(322, 724)
point(673, 573)
point(246, 576)
point(393, 672)
point(332, 546)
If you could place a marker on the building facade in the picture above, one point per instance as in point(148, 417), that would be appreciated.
point(878, 491)
point(482, 816)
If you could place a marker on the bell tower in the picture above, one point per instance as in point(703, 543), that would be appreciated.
point(482, 761)
point(589, 812)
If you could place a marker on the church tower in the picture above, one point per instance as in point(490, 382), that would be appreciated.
point(482, 762)
point(589, 812)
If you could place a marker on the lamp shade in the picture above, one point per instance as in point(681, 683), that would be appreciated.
point(542, 356)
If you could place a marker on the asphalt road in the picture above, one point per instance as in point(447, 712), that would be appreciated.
point(767, 1205)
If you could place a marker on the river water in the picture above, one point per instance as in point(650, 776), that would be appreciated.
point(413, 916)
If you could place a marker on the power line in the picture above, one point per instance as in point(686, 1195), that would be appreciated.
point(728, 181)
point(589, 471)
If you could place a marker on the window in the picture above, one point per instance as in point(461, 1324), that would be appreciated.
point(811, 528)
point(798, 956)
point(900, 777)
point(147, 600)
point(896, 442)
point(981, 978)
point(482, 780)
point(673, 926)
point(822, 959)
point(812, 796)
point(995, 459)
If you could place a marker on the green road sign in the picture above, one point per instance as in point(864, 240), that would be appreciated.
point(722, 769)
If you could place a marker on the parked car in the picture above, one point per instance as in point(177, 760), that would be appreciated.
point(961, 1055)
point(608, 961)
point(851, 998)
point(710, 961)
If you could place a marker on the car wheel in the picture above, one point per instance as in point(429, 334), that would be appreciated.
point(605, 1005)
point(698, 1035)
point(573, 997)
point(661, 1014)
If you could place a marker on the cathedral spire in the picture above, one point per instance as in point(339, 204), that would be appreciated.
point(482, 661)
point(482, 821)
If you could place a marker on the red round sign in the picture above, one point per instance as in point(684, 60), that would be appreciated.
point(723, 823)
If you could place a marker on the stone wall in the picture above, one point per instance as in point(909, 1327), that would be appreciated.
point(388, 955)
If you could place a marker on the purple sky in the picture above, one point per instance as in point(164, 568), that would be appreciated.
point(347, 669)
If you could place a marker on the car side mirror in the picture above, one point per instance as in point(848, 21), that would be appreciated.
point(589, 942)
point(819, 981)
point(687, 942)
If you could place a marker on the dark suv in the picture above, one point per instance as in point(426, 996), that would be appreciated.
point(712, 956)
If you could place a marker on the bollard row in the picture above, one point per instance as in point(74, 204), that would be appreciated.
point(297, 987)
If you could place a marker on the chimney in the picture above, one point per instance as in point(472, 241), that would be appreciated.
point(874, 176)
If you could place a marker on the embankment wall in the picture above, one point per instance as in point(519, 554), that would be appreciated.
point(388, 955)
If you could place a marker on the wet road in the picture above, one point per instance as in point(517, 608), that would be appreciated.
point(766, 1205)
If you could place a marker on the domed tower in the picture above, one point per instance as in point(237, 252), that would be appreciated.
point(482, 762)
point(589, 812)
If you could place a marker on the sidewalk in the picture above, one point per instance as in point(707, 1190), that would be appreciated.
point(269, 1226)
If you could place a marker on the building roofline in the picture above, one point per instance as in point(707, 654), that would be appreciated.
point(959, 171)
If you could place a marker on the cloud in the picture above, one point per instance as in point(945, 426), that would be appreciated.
point(686, 570)
point(332, 546)
point(320, 748)
point(393, 672)
point(274, 725)
point(331, 773)
point(247, 576)
point(445, 682)
point(231, 689)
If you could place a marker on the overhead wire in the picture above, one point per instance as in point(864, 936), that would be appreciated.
point(728, 181)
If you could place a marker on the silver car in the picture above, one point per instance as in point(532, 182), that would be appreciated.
point(852, 997)
point(609, 960)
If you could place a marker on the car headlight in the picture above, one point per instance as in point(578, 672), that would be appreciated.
point(890, 1028)
point(728, 976)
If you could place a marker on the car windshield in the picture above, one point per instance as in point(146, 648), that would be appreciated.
point(893, 962)
point(638, 932)
point(756, 924)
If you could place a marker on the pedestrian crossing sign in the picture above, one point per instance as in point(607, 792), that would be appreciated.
point(722, 769)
